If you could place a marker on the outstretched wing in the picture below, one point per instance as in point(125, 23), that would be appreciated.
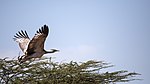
point(37, 42)
point(23, 39)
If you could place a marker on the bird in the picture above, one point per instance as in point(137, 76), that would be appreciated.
point(33, 48)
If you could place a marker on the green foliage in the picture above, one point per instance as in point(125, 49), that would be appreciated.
point(44, 71)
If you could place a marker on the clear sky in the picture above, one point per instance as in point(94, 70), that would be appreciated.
point(116, 31)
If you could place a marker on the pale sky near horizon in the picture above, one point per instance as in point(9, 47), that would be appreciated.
point(116, 31)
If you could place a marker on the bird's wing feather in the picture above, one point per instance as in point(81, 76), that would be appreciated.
point(37, 42)
point(23, 39)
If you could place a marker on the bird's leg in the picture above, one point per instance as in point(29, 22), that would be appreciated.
point(20, 58)
point(26, 58)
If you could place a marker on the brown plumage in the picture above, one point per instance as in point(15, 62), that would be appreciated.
point(33, 48)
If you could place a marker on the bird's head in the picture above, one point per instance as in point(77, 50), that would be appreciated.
point(52, 51)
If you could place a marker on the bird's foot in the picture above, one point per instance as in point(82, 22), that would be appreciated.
point(20, 58)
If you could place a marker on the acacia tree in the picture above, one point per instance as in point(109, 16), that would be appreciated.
point(44, 71)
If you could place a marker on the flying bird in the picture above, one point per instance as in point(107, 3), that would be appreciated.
point(33, 48)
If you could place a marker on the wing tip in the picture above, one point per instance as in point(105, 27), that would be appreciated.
point(21, 34)
point(44, 29)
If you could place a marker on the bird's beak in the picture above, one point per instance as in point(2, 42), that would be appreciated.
point(55, 50)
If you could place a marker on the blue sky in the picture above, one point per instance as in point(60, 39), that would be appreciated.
point(116, 31)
